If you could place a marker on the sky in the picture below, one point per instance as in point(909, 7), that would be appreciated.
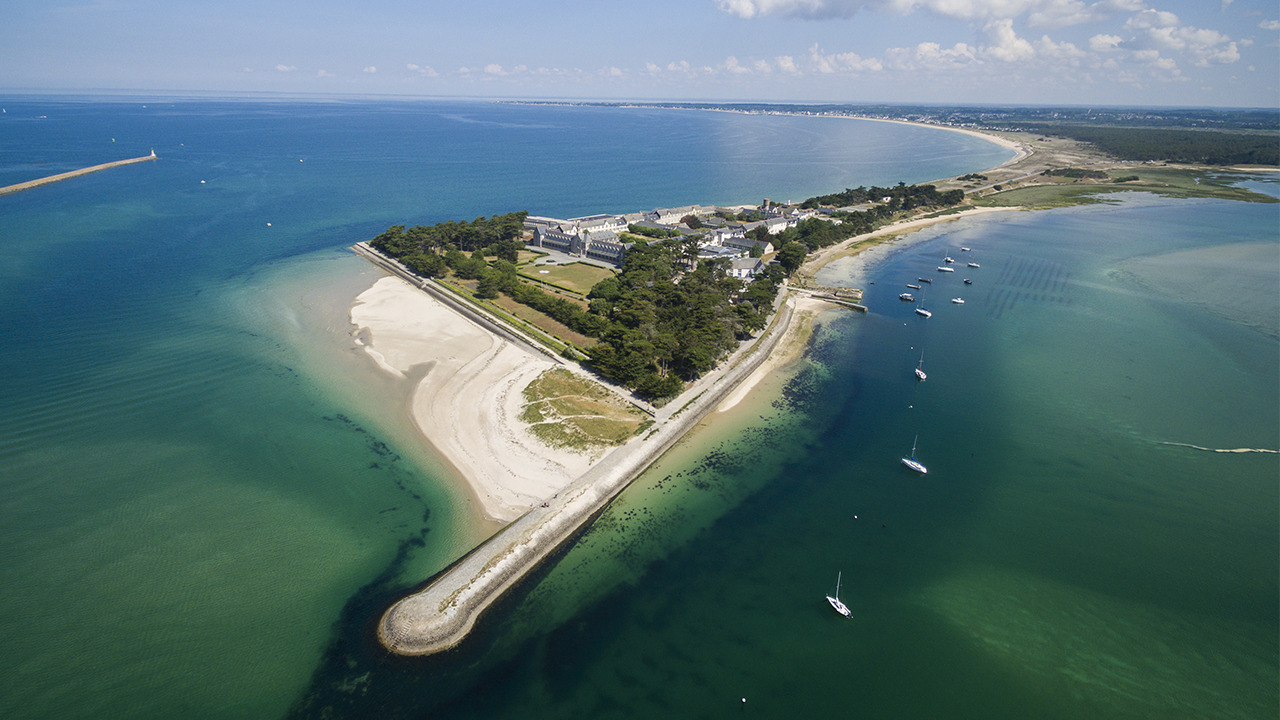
point(1222, 53)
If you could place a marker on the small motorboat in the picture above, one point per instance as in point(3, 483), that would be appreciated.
point(913, 287)
point(967, 281)
point(964, 249)
point(924, 280)
point(947, 260)
point(947, 269)
point(958, 301)
point(923, 313)
point(907, 296)
point(974, 265)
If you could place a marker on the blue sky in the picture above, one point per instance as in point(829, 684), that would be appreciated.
point(1077, 52)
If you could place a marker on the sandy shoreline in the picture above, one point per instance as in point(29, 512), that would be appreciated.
point(467, 405)
point(1022, 150)
point(468, 400)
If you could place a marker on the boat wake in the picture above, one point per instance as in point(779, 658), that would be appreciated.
point(1224, 450)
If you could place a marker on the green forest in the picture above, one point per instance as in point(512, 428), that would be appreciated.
point(658, 323)
point(1181, 146)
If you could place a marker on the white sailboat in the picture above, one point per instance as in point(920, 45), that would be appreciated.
point(835, 601)
point(919, 367)
point(912, 462)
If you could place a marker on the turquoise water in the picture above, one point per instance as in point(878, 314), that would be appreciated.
point(1059, 560)
point(207, 492)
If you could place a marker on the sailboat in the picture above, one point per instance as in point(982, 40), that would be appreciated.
point(921, 311)
point(912, 462)
point(835, 601)
point(919, 370)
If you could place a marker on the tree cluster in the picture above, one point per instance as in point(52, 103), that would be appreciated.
point(466, 236)
point(902, 197)
point(1076, 173)
point(1183, 146)
point(657, 233)
point(667, 325)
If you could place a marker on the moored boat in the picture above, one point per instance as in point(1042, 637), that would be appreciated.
point(920, 369)
point(958, 301)
point(974, 265)
point(967, 281)
point(924, 280)
point(923, 313)
point(947, 260)
point(907, 296)
point(913, 287)
point(912, 462)
point(835, 601)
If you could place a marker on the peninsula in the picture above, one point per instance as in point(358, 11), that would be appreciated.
point(675, 312)
point(672, 310)
point(19, 187)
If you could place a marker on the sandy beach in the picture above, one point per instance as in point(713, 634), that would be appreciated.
point(467, 397)
point(873, 254)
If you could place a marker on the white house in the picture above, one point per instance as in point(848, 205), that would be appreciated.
point(745, 268)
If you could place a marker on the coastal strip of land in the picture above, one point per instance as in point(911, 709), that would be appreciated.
point(441, 615)
point(465, 407)
point(19, 187)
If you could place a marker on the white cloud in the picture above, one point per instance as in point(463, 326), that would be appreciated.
point(424, 70)
point(787, 64)
point(493, 69)
point(1105, 43)
point(371, 69)
point(1005, 45)
point(613, 72)
point(1269, 24)
point(733, 68)
point(1148, 19)
point(1042, 13)
point(325, 73)
point(286, 68)
point(1062, 13)
point(248, 69)
point(1062, 52)
point(841, 62)
point(930, 56)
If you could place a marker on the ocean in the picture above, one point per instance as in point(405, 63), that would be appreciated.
point(209, 494)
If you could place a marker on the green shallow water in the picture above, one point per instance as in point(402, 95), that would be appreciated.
point(1058, 560)
point(208, 494)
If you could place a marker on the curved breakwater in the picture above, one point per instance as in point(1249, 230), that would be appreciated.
point(440, 616)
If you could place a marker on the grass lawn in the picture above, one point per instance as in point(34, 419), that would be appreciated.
point(566, 410)
point(544, 323)
point(579, 277)
point(1167, 181)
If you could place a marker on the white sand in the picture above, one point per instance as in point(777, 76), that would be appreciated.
point(1021, 150)
point(467, 404)
point(790, 346)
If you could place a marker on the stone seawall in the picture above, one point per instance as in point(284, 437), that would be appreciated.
point(18, 187)
point(440, 616)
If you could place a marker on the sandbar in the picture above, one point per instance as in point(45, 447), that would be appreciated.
point(467, 397)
